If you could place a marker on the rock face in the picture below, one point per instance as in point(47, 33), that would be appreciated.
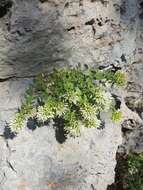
point(36, 161)
point(36, 36)
point(11, 95)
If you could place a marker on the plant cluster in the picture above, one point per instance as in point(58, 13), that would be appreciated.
point(116, 115)
point(135, 172)
point(72, 94)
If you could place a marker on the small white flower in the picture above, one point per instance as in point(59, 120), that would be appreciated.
point(103, 100)
point(61, 109)
point(74, 128)
point(17, 123)
point(45, 112)
point(88, 111)
point(93, 123)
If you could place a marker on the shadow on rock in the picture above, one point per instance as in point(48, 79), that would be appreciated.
point(60, 133)
point(121, 171)
point(33, 123)
point(8, 134)
point(5, 5)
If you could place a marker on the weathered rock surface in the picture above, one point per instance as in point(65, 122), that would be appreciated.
point(36, 161)
point(11, 95)
point(38, 35)
point(133, 127)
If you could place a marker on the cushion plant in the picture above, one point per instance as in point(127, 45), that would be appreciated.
point(75, 95)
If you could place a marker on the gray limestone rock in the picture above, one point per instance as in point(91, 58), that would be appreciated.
point(11, 95)
point(38, 35)
point(36, 161)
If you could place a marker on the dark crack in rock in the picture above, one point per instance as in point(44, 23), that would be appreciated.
point(135, 104)
point(5, 5)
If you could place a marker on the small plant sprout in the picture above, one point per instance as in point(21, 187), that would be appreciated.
point(17, 123)
point(76, 96)
point(120, 78)
point(116, 115)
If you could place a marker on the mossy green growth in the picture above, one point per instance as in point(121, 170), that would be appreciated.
point(116, 115)
point(119, 78)
point(76, 96)
point(135, 172)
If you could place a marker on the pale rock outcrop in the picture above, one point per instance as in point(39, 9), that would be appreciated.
point(38, 35)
